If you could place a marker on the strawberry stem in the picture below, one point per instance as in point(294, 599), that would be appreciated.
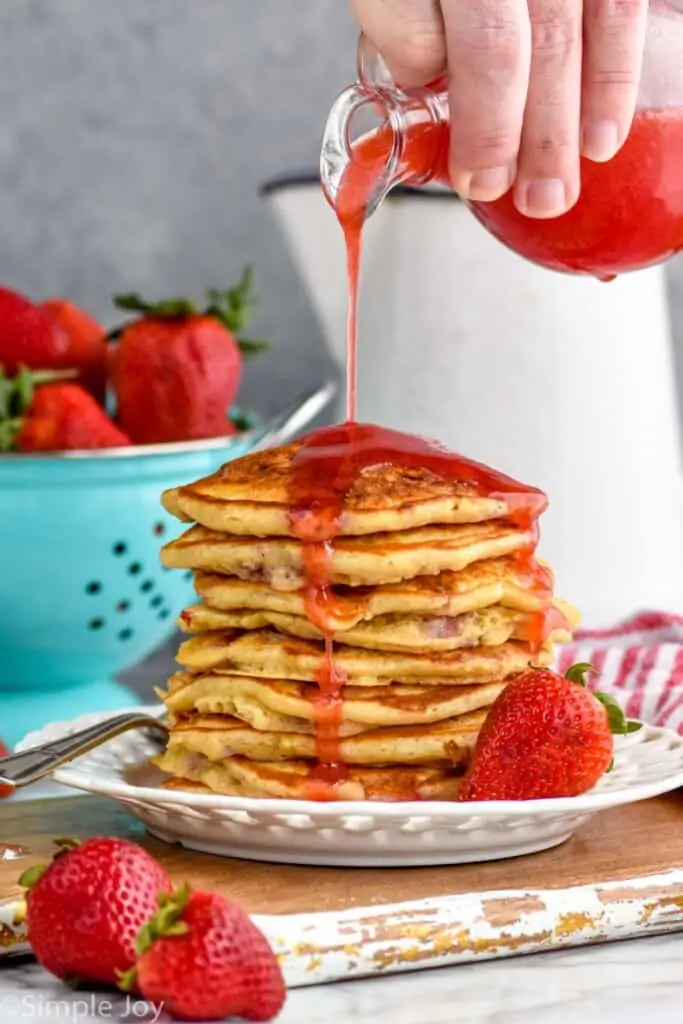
point(167, 920)
point(577, 673)
point(65, 845)
point(232, 307)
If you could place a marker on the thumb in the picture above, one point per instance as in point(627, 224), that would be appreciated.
point(409, 34)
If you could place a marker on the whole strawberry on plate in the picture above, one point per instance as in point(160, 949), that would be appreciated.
point(85, 909)
point(176, 368)
point(545, 736)
point(203, 959)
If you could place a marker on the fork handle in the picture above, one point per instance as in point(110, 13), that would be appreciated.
point(33, 765)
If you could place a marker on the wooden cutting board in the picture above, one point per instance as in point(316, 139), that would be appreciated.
point(621, 876)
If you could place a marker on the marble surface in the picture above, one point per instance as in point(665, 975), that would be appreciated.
point(620, 983)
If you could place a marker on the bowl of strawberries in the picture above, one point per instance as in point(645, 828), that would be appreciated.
point(94, 425)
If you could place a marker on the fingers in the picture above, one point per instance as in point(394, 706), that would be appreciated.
point(488, 45)
point(614, 37)
point(548, 178)
point(409, 35)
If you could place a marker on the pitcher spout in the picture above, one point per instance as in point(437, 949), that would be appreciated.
point(407, 144)
point(378, 172)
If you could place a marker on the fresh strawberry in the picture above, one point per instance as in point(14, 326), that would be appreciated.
point(3, 749)
point(204, 959)
point(85, 909)
point(36, 416)
point(64, 417)
point(545, 736)
point(29, 336)
point(176, 369)
point(87, 344)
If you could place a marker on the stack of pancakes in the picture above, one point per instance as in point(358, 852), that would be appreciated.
point(437, 603)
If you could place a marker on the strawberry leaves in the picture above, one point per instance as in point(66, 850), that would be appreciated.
point(16, 395)
point(166, 922)
point(166, 309)
point(619, 724)
point(232, 307)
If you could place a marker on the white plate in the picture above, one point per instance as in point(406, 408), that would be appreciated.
point(647, 763)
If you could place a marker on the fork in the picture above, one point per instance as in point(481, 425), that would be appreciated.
point(29, 766)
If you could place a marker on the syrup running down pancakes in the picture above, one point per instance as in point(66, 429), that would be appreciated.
point(362, 599)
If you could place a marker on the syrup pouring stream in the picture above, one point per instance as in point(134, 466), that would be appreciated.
point(326, 467)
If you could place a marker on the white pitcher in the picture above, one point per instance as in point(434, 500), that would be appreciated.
point(563, 382)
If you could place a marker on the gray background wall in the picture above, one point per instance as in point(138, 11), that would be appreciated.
point(134, 135)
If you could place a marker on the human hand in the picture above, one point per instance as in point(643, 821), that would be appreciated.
point(532, 84)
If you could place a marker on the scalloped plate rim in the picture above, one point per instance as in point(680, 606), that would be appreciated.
point(595, 800)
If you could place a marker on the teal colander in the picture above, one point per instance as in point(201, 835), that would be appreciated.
point(82, 592)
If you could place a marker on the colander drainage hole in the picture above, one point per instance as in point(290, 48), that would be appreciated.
point(93, 587)
point(134, 568)
point(147, 586)
point(96, 624)
point(120, 548)
point(123, 606)
point(188, 574)
point(159, 530)
point(156, 601)
point(163, 614)
point(125, 634)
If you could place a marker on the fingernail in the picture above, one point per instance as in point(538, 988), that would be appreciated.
point(545, 197)
point(599, 140)
point(487, 184)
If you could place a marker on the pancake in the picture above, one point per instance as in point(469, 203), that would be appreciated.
point(251, 496)
point(268, 653)
point(488, 627)
point(427, 585)
point(217, 737)
point(268, 704)
point(356, 561)
point(494, 581)
point(292, 780)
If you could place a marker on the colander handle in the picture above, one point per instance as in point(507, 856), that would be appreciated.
point(296, 416)
point(35, 764)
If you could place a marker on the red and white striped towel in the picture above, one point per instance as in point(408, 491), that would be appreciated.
point(640, 661)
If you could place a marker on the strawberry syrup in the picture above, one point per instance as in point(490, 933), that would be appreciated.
point(326, 467)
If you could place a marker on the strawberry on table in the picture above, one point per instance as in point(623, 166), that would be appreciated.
point(204, 959)
point(39, 413)
point(546, 735)
point(87, 346)
point(85, 909)
point(176, 369)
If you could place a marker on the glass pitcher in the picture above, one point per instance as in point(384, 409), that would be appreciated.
point(630, 211)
